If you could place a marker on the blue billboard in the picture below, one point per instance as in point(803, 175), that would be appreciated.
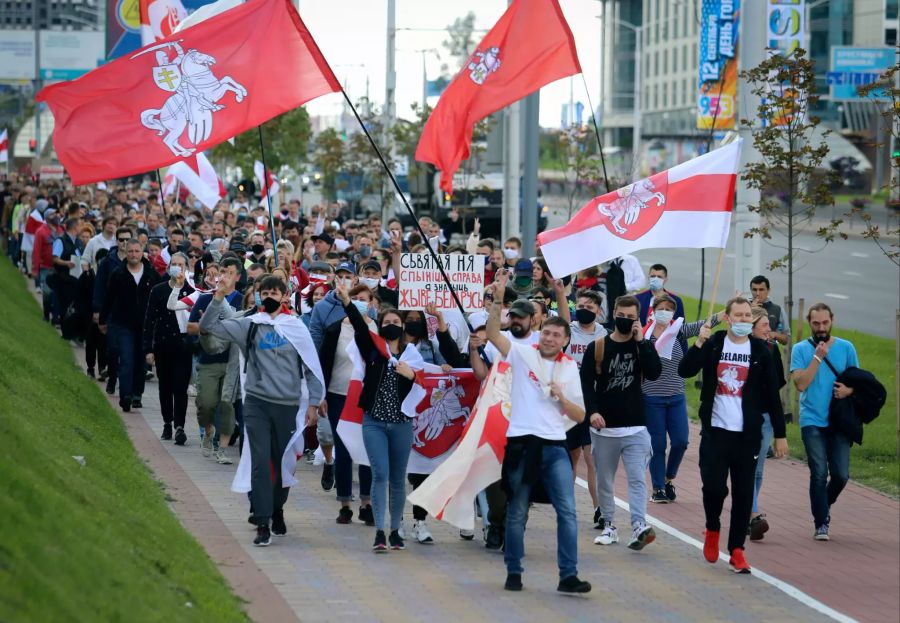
point(852, 68)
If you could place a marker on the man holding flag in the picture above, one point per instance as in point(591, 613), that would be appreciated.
point(545, 401)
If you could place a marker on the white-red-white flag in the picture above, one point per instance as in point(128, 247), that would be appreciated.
point(4, 146)
point(199, 177)
point(266, 180)
point(687, 206)
point(159, 19)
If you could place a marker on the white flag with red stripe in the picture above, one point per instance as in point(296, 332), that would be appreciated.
point(260, 171)
point(199, 177)
point(4, 146)
point(687, 206)
point(159, 19)
point(33, 222)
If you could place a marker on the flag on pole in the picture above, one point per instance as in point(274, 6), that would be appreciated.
point(159, 19)
point(530, 46)
point(4, 146)
point(191, 91)
point(198, 177)
point(687, 206)
point(264, 180)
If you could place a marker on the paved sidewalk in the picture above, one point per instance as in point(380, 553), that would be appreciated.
point(327, 572)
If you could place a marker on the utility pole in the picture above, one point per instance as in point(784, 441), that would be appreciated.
point(389, 112)
point(636, 131)
point(37, 79)
point(512, 170)
point(529, 174)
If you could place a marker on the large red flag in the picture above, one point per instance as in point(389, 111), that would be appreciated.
point(530, 46)
point(192, 90)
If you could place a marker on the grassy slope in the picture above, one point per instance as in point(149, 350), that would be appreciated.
point(875, 463)
point(91, 543)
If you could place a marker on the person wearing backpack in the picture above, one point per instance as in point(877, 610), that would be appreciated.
point(815, 366)
point(278, 357)
point(611, 373)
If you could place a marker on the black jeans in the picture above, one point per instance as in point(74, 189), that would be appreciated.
point(173, 369)
point(269, 427)
point(724, 452)
point(343, 464)
point(95, 348)
point(419, 513)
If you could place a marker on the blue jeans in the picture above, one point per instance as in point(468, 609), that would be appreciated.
point(556, 471)
point(767, 434)
point(827, 453)
point(127, 345)
point(388, 445)
point(666, 414)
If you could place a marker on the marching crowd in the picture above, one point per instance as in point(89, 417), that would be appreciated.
point(251, 320)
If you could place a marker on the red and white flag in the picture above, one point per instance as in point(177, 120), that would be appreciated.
point(266, 180)
point(33, 222)
point(159, 19)
point(4, 146)
point(197, 176)
point(529, 46)
point(187, 93)
point(687, 206)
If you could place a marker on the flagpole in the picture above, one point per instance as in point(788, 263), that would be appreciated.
point(715, 285)
point(597, 133)
point(265, 180)
point(159, 181)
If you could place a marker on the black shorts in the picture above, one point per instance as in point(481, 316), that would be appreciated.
point(579, 435)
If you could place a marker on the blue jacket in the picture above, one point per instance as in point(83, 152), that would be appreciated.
point(644, 298)
point(104, 270)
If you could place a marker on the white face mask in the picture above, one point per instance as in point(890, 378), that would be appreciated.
point(318, 277)
point(510, 254)
point(663, 316)
point(369, 282)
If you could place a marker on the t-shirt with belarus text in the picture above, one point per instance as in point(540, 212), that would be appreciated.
point(731, 376)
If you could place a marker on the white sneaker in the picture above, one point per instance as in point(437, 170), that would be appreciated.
point(609, 536)
point(206, 446)
point(401, 531)
point(467, 535)
point(641, 536)
point(421, 533)
point(222, 458)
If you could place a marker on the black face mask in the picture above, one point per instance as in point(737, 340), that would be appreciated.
point(624, 325)
point(416, 328)
point(585, 316)
point(270, 305)
point(258, 249)
point(390, 332)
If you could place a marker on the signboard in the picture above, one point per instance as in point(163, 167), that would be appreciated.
point(420, 281)
point(719, 29)
point(52, 172)
point(785, 26)
point(123, 24)
point(852, 68)
point(66, 55)
point(16, 55)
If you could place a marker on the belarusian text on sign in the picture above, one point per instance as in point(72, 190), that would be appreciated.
point(421, 283)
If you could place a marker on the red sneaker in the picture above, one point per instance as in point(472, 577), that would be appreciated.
point(711, 546)
point(737, 562)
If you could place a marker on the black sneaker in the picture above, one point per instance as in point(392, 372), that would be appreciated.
point(494, 538)
point(758, 527)
point(234, 436)
point(180, 436)
point(395, 541)
point(572, 584)
point(251, 519)
point(366, 515)
point(125, 404)
point(770, 453)
point(513, 582)
point(328, 477)
point(345, 515)
point(263, 536)
point(90, 373)
point(380, 545)
point(136, 403)
point(670, 491)
point(167, 432)
point(278, 526)
point(103, 375)
point(659, 497)
point(111, 386)
point(599, 521)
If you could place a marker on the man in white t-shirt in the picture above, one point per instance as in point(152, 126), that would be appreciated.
point(545, 400)
point(739, 386)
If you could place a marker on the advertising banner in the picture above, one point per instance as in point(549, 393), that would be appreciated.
point(717, 98)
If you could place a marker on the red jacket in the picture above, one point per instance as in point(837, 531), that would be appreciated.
point(42, 254)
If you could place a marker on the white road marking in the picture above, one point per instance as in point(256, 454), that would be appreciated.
point(787, 589)
point(730, 256)
point(842, 297)
point(851, 273)
point(858, 254)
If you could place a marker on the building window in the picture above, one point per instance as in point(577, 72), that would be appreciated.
point(665, 63)
point(890, 36)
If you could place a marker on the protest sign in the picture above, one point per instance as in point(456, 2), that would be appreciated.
point(420, 281)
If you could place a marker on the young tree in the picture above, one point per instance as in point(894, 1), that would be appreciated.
point(789, 174)
point(328, 157)
point(286, 141)
point(459, 43)
point(581, 166)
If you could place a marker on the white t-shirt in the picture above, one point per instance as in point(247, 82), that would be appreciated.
point(534, 413)
point(494, 355)
point(581, 339)
point(137, 276)
point(731, 374)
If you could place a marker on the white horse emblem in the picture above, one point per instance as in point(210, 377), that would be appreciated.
point(444, 408)
point(730, 380)
point(629, 203)
point(484, 64)
point(195, 93)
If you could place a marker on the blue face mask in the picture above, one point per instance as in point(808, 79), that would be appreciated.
point(362, 306)
point(741, 329)
point(656, 283)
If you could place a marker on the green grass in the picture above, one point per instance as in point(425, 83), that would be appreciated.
point(83, 543)
point(875, 463)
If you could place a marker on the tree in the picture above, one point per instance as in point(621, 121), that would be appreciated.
point(286, 141)
point(581, 165)
point(886, 88)
point(328, 157)
point(459, 43)
point(792, 148)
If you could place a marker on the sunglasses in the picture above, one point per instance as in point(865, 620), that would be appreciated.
point(124, 239)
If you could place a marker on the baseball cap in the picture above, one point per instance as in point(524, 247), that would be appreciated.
point(524, 268)
point(522, 308)
point(370, 264)
point(324, 238)
point(320, 267)
point(237, 246)
point(49, 212)
point(345, 266)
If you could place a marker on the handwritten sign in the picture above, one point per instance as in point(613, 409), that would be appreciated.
point(420, 281)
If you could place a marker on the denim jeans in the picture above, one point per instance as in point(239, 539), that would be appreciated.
point(556, 472)
point(827, 454)
point(343, 464)
point(128, 347)
point(666, 415)
point(388, 445)
point(767, 434)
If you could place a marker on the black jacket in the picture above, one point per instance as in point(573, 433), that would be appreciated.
point(161, 330)
point(760, 392)
point(125, 303)
point(848, 415)
point(450, 351)
point(376, 363)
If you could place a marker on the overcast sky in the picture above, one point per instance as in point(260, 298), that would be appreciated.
point(352, 36)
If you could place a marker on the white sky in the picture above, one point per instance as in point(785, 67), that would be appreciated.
point(352, 35)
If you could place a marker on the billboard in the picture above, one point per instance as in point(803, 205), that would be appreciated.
point(785, 26)
point(852, 68)
point(66, 55)
point(16, 55)
point(123, 24)
point(717, 92)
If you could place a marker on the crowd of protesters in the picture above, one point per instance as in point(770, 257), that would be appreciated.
point(250, 313)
